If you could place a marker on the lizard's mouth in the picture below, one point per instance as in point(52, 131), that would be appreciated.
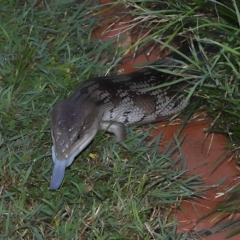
point(61, 165)
point(59, 169)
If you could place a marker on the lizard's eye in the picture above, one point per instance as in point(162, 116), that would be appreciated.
point(78, 137)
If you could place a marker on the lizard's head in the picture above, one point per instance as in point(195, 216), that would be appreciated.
point(73, 126)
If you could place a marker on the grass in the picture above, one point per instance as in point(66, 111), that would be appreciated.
point(111, 191)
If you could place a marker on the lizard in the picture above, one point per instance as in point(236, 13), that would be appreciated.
point(112, 103)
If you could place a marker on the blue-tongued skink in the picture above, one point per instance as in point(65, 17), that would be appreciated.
point(113, 102)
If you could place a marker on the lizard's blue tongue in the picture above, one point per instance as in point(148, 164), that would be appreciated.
point(59, 169)
point(57, 174)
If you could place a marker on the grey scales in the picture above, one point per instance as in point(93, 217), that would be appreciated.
point(112, 103)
